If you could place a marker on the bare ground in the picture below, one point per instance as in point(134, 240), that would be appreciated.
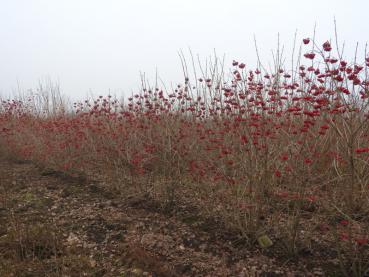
point(52, 224)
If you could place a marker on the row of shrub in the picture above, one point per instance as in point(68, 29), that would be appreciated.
point(282, 153)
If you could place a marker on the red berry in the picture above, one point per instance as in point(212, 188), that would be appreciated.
point(306, 40)
point(327, 46)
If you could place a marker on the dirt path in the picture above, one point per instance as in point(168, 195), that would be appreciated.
point(56, 225)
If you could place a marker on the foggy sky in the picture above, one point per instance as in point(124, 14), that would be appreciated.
point(96, 45)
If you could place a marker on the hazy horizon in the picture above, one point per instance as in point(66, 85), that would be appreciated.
point(102, 46)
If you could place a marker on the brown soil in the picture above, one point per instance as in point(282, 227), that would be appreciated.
point(52, 224)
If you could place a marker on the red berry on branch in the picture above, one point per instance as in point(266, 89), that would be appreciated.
point(306, 40)
point(327, 46)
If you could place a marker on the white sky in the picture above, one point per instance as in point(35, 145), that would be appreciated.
point(104, 44)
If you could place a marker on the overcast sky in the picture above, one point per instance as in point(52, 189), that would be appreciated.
point(103, 45)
